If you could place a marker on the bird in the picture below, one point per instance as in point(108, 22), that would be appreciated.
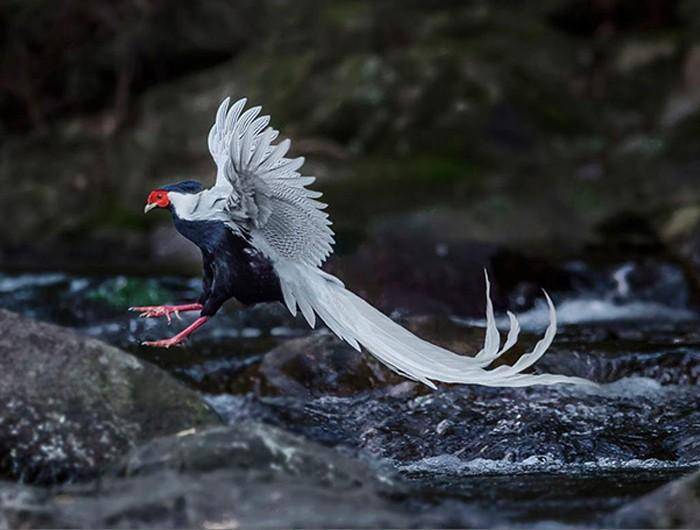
point(264, 235)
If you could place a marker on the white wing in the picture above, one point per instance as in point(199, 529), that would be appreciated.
point(266, 198)
point(266, 195)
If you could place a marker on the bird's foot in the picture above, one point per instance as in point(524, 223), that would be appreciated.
point(155, 311)
point(180, 337)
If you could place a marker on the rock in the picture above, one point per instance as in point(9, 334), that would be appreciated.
point(252, 474)
point(317, 365)
point(675, 505)
point(242, 476)
point(322, 365)
point(70, 404)
point(634, 421)
point(21, 506)
point(246, 446)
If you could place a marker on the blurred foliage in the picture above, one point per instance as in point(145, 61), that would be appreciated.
point(564, 112)
point(75, 56)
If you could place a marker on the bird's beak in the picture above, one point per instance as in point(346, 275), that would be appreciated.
point(149, 207)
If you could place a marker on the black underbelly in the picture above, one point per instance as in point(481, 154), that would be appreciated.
point(254, 282)
point(232, 266)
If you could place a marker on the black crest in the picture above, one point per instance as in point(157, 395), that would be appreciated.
point(186, 186)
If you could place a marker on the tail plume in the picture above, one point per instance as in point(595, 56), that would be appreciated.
point(360, 324)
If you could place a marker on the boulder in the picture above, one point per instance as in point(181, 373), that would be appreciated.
point(225, 477)
point(70, 404)
point(313, 366)
point(321, 364)
point(675, 505)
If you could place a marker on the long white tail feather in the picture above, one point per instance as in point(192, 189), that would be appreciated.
point(358, 323)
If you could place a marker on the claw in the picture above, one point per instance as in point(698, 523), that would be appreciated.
point(164, 343)
point(155, 311)
point(180, 338)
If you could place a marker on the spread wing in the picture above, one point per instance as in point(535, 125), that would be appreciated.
point(266, 196)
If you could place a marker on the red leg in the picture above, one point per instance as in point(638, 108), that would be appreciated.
point(152, 311)
point(180, 337)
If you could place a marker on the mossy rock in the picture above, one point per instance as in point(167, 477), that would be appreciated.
point(70, 404)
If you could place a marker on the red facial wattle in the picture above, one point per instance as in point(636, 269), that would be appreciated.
point(158, 198)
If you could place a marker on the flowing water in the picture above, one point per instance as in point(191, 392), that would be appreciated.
point(513, 456)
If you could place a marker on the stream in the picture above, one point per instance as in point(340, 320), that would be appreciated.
point(462, 453)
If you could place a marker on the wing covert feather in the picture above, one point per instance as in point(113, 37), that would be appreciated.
point(267, 196)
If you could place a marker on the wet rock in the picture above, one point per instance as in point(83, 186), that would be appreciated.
point(246, 446)
point(252, 474)
point(317, 365)
point(247, 475)
point(633, 422)
point(21, 506)
point(69, 404)
point(676, 505)
point(635, 279)
point(323, 365)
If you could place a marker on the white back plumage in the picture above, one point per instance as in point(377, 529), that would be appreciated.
point(263, 196)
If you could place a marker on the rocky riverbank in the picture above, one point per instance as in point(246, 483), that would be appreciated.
point(329, 436)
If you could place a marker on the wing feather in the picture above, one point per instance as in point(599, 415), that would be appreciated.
point(267, 195)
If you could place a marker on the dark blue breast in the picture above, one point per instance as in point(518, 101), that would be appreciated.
point(239, 269)
point(207, 235)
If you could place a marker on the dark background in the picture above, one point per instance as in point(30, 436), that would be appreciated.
point(557, 128)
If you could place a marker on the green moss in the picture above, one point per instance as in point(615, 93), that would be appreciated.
point(121, 293)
